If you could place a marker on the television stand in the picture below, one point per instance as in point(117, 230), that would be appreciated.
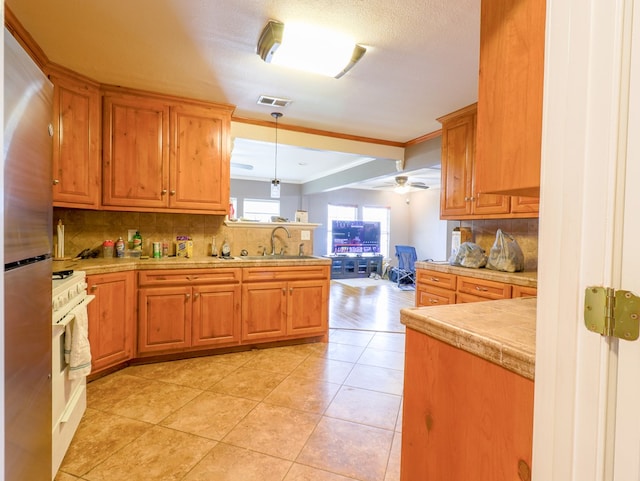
point(345, 266)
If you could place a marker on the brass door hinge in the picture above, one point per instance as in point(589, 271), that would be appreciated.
point(612, 313)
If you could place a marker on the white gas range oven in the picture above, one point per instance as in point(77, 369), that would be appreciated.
point(69, 396)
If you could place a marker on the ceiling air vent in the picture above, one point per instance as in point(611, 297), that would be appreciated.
point(273, 101)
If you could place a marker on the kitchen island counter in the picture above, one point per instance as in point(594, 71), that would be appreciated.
point(502, 332)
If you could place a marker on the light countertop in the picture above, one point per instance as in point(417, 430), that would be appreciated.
point(502, 332)
point(525, 278)
point(101, 265)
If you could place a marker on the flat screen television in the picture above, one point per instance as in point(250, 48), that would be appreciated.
point(355, 237)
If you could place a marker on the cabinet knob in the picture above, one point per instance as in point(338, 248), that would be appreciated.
point(481, 289)
point(94, 287)
point(173, 192)
point(187, 296)
point(433, 301)
point(196, 295)
point(284, 291)
point(163, 191)
point(291, 290)
point(56, 181)
point(435, 279)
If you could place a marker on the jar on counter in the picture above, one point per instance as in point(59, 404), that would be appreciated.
point(107, 249)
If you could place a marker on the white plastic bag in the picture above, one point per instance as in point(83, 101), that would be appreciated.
point(468, 255)
point(505, 255)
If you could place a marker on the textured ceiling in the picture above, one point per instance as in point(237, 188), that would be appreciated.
point(421, 60)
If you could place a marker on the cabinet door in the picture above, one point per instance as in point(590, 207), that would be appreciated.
point(76, 143)
point(464, 418)
point(216, 315)
point(529, 205)
point(458, 144)
point(136, 146)
point(164, 319)
point(307, 309)
point(199, 159)
point(484, 204)
point(111, 319)
point(510, 96)
point(264, 310)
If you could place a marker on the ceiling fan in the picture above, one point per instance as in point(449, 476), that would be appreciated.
point(402, 185)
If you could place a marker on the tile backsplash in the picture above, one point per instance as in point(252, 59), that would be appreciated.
point(525, 232)
point(89, 228)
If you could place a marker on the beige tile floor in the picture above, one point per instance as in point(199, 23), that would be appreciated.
point(313, 412)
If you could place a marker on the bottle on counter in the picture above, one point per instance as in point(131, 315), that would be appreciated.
point(137, 241)
point(120, 247)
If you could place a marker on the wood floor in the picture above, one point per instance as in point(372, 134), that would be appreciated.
point(373, 307)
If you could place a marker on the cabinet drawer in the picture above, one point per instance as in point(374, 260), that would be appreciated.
point(257, 274)
point(523, 291)
point(483, 288)
point(462, 298)
point(434, 296)
point(438, 279)
point(189, 276)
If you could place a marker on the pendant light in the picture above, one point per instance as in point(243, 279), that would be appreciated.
point(275, 183)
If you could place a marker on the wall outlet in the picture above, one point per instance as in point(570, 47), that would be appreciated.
point(305, 235)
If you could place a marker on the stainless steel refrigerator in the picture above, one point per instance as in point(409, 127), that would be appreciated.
point(28, 100)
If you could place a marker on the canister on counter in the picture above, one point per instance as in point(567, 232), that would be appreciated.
point(107, 248)
point(157, 250)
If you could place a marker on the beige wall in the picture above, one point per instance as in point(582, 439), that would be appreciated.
point(88, 228)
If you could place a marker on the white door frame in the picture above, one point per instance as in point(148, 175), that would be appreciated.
point(580, 244)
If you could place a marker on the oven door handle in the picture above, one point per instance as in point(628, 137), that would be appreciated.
point(70, 316)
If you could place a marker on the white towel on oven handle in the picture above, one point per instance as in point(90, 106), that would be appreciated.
point(77, 352)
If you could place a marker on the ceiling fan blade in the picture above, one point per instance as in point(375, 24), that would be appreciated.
point(236, 165)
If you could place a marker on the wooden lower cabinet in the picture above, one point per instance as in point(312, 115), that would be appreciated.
point(281, 303)
point(264, 310)
point(111, 319)
point(164, 319)
point(434, 288)
point(216, 315)
point(464, 418)
point(183, 310)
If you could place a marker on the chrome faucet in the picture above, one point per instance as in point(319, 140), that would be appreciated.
point(273, 239)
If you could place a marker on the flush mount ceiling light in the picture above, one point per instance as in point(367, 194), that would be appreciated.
point(309, 48)
point(275, 183)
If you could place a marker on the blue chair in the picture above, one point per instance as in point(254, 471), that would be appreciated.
point(406, 270)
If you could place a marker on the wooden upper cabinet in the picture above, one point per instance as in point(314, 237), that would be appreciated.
point(76, 142)
point(162, 155)
point(458, 198)
point(458, 141)
point(510, 97)
point(136, 152)
point(200, 173)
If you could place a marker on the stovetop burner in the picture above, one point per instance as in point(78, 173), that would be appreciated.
point(62, 274)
